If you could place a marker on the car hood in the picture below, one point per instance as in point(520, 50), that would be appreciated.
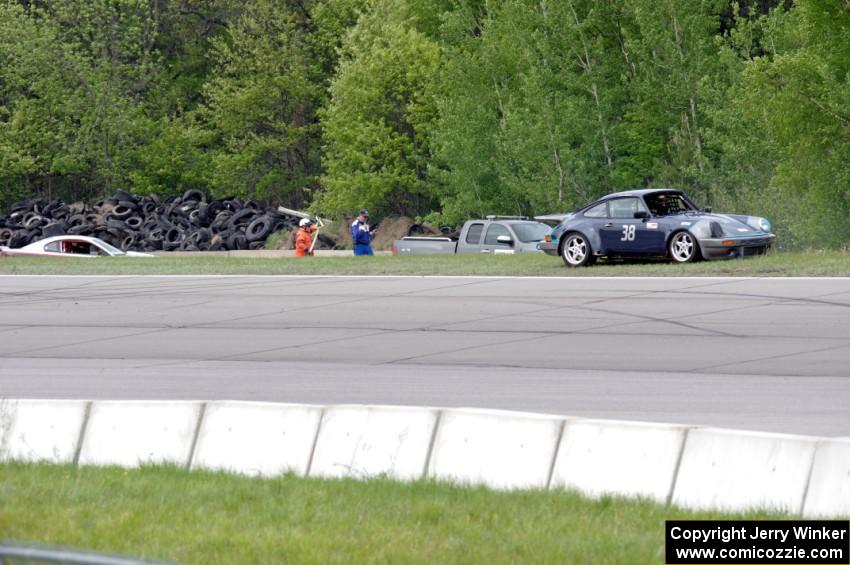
point(723, 225)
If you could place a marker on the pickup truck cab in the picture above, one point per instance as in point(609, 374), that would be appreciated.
point(494, 234)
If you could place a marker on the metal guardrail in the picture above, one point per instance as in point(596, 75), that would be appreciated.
point(11, 554)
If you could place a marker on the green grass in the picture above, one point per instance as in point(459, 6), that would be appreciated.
point(201, 517)
point(810, 263)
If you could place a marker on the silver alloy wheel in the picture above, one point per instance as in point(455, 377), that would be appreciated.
point(575, 250)
point(683, 247)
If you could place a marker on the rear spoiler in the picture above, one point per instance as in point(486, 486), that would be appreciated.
point(557, 218)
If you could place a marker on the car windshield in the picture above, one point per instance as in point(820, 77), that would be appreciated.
point(527, 232)
point(668, 203)
point(109, 249)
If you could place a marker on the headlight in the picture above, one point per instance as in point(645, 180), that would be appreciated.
point(701, 229)
point(764, 225)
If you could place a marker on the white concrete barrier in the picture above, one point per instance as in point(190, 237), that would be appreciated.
point(364, 441)
point(40, 430)
point(256, 438)
point(829, 485)
point(624, 458)
point(734, 470)
point(132, 433)
point(498, 449)
point(706, 468)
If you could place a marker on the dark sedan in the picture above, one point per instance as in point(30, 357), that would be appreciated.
point(655, 223)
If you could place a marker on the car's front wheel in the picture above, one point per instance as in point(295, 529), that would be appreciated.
point(576, 251)
point(683, 247)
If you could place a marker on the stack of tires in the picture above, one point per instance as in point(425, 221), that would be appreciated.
point(147, 223)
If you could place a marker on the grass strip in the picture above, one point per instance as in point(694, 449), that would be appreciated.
point(785, 264)
point(203, 517)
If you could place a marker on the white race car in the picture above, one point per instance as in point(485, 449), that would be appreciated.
point(70, 246)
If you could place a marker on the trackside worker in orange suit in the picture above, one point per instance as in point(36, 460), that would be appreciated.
point(304, 238)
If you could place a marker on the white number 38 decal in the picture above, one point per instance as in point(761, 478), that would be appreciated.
point(628, 233)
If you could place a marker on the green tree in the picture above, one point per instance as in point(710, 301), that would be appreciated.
point(74, 86)
point(529, 95)
point(260, 105)
point(784, 132)
point(379, 118)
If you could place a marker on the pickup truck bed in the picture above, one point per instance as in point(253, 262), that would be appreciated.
point(479, 236)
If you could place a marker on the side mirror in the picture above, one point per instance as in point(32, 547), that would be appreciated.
point(641, 214)
point(505, 239)
point(707, 209)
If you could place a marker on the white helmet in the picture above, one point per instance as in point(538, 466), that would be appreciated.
point(305, 222)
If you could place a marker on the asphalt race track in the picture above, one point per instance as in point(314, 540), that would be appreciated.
point(763, 354)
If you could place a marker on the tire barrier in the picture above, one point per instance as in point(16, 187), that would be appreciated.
point(146, 223)
point(691, 467)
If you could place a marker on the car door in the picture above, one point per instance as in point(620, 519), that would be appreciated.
point(471, 242)
point(623, 234)
point(491, 240)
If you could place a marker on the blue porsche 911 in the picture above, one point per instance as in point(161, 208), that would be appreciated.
point(655, 223)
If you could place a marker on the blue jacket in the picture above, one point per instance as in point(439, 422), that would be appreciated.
point(360, 233)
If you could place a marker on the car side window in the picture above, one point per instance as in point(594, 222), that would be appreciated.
point(598, 211)
point(493, 233)
point(623, 208)
point(52, 247)
point(473, 234)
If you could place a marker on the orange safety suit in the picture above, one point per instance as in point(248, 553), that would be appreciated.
point(303, 241)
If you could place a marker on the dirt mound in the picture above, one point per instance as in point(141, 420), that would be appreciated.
point(389, 230)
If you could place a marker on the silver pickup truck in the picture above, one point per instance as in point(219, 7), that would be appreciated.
point(494, 234)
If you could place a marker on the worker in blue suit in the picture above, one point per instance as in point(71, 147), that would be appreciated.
point(361, 235)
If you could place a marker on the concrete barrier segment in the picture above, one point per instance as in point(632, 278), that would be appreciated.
point(40, 430)
point(828, 494)
point(368, 441)
point(499, 449)
point(256, 438)
point(598, 457)
point(737, 470)
point(131, 433)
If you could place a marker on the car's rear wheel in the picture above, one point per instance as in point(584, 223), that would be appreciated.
point(683, 247)
point(576, 250)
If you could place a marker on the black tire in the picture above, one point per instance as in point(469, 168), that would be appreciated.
point(237, 241)
point(34, 221)
point(148, 207)
point(76, 220)
point(194, 194)
point(54, 228)
point(259, 229)
point(22, 206)
point(82, 229)
point(243, 216)
point(129, 242)
point(576, 250)
point(173, 236)
point(683, 247)
point(18, 239)
point(116, 224)
point(122, 196)
point(221, 220)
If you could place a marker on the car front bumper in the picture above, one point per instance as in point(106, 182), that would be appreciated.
point(733, 247)
point(548, 247)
